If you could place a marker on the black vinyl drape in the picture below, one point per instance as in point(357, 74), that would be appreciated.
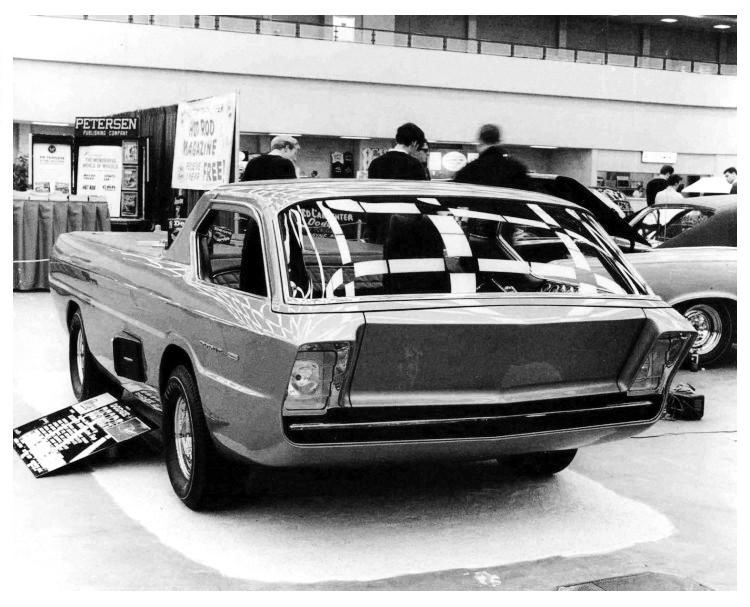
point(158, 124)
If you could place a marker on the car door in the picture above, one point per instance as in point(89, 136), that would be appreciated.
point(239, 339)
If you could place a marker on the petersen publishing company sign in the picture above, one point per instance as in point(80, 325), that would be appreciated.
point(106, 127)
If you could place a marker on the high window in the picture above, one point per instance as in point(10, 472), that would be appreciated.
point(231, 252)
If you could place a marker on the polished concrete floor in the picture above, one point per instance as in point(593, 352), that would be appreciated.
point(660, 507)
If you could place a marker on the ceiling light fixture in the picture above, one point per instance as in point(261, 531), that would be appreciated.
point(722, 26)
point(544, 147)
point(669, 20)
point(353, 137)
point(52, 123)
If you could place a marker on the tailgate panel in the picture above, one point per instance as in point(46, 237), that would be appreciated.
point(492, 354)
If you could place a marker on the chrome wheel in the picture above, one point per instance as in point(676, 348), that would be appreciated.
point(183, 436)
point(707, 321)
point(80, 355)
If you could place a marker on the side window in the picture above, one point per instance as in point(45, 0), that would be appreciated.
point(648, 226)
point(230, 252)
point(684, 221)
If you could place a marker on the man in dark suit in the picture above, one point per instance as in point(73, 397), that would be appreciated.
point(730, 175)
point(277, 164)
point(658, 184)
point(493, 166)
point(399, 162)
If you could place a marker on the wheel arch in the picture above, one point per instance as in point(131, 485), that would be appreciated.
point(698, 296)
point(70, 311)
point(729, 301)
point(173, 356)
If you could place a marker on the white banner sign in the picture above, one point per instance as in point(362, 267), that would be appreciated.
point(659, 157)
point(100, 172)
point(51, 168)
point(203, 142)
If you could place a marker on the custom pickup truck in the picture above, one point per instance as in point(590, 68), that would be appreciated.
point(313, 323)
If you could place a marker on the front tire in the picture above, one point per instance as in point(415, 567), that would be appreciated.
point(190, 455)
point(85, 377)
point(715, 326)
point(543, 463)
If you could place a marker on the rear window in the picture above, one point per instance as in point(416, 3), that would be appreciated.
point(372, 246)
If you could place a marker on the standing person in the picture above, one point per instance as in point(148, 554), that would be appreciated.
point(730, 175)
point(277, 164)
point(399, 162)
point(670, 193)
point(493, 166)
point(423, 155)
point(658, 184)
point(243, 162)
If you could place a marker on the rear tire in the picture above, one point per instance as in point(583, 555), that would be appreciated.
point(86, 379)
point(715, 325)
point(189, 453)
point(543, 463)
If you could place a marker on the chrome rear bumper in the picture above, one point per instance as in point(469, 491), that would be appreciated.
point(353, 425)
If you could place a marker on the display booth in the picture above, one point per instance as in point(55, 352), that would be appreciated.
point(111, 160)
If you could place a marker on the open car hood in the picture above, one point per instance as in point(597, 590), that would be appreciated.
point(571, 190)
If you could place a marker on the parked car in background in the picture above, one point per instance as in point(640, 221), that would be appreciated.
point(606, 211)
point(693, 266)
point(615, 197)
point(717, 216)
point(319, 322)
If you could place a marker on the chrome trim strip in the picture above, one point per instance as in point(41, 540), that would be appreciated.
point(458, 420)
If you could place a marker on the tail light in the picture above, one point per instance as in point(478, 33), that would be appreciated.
point(667, 352)
point(317, 376)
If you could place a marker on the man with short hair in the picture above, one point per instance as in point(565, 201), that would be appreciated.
point(277, 164)
point(494, 166)
point(670, 193)
point(730, 175)
point(423, 155)
point(399, 162)
point(658, 184)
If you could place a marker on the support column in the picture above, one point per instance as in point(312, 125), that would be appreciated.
point(24, 130)
point(562, 32)
point(645, 40)
point(471, 27)
point(722, 48)
point(592, 168)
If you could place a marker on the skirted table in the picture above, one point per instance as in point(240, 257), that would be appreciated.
point(38, 220)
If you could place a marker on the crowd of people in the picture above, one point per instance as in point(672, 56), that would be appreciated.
point(667, 187)
point(408, 159)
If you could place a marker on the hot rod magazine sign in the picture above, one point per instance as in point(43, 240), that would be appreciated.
point(203, 142)
point(72, 434)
